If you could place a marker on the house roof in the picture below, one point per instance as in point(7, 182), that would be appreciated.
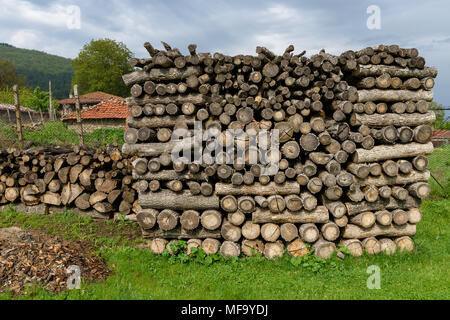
point(441, 134)
point(89, 98)
point(113, 108)
point(10, 107)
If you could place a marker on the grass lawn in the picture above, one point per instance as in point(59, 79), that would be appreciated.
point(138, 274)
point(56, 133)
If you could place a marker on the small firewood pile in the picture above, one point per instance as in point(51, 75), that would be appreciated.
point(353, 132)
point(35, 259)
point(90, 182)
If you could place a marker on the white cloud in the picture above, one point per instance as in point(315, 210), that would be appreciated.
point(54, 15)
point(25, 39)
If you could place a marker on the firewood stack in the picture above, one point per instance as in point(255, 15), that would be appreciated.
point(93, 183)
point(341, 127)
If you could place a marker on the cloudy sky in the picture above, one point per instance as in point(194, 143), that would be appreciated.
point(233, 26)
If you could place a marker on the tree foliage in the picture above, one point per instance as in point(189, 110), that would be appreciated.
point(33, 99)
point(100, 66)
point(39, 68)
point(441, 121)
point(9, 76)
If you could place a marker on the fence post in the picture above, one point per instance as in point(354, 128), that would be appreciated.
point(18, 120)
point(42, 117)
point(78, 108)
point(51, 115)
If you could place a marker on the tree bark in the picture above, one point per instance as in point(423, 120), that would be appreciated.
point(380, 153)
point(175, 201)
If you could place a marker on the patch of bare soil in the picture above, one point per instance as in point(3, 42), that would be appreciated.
point(33, 258)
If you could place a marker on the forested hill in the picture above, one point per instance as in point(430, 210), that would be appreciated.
point(40, 67)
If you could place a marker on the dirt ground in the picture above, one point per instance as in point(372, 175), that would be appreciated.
point(30, 258)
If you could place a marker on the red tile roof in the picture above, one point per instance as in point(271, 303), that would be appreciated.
point(89, 98)
point(441, 134)
point(113, 108)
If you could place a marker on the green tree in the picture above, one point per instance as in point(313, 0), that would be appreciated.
point(100, 66)
point(33, 99)
point(9, 76)
point(441, 122)
point(40, 100)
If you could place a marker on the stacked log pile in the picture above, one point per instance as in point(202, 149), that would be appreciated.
point(353, 132)
point(94, 183)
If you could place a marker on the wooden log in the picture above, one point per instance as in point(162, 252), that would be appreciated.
point(399, 193)
point(211, 246)
point(382, 204)
point(190, 219)
point(324, 249)
point(420, 163)
point(336, 208)
point(288, 188)
point(158, 122)
point(423, 134)
point(401, 179)
point(356, 232)
point(293, 203)
point(371, 245)
point(319, 215)
point(297, 248)
point(251, 231)
point(380, 153)
point(354, 246)
point(230, 232)
point(252, 247)
point(103, 207)
point(211, 219)
point(394, 71)
point(390, 119)
point(169, 175)
point(309, 232)
point(420, 190)
point(404, 166)
point(309, 142)
point(229, 204)
point(354, 193)
point(270, 232)
point(274, 250)
point(160, 74)
point(147, 218)
point(154, 149)
point(309, 201)
point(399, 217)
point(237, 218)
point(178, 201)
point(383, 217)
point(390, 168)
point(180, 233)
point(168, 220)
point(387, 246)
point(50, 198)
point(362, 171)
point(365, 219)
point(330, 231)
point(262, 201)
point(289, 232)
point(405, 244)
point(414, 216)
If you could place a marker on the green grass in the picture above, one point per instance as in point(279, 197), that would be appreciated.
point(138, 274)
point(440, 168)
point(56, 133)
